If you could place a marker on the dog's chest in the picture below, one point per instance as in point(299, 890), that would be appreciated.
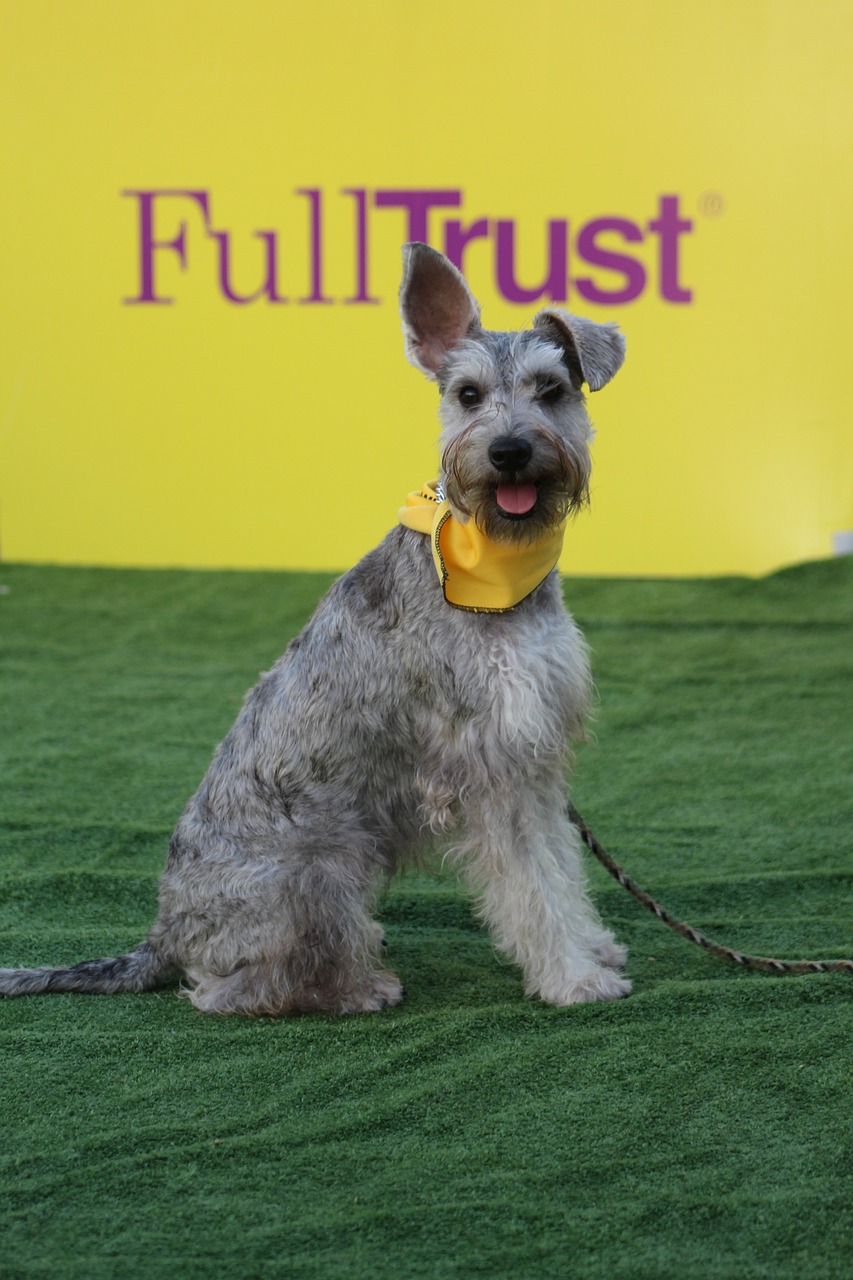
point(534, 677)
point(522, 678)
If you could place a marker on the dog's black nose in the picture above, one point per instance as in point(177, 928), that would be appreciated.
point(509, 453)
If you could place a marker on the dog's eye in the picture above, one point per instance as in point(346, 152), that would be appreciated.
point(469, 396)
point(551, 394)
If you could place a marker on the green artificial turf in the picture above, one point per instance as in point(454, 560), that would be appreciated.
point(700, 1128)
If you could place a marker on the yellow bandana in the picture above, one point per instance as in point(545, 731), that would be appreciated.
point(475, 573)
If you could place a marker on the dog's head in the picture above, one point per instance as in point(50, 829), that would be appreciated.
point(515, 431)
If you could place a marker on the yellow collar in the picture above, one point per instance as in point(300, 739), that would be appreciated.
point(475, 573)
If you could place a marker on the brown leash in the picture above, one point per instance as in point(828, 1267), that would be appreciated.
point(765, 963)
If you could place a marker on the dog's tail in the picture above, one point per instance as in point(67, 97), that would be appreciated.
point(140, 970)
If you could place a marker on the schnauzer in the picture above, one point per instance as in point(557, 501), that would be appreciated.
point(431, 700)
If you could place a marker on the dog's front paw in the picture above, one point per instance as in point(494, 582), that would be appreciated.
point(600, 983)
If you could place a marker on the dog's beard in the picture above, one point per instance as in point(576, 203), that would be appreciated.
point(558, 469)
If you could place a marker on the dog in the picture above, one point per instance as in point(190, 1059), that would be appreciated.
point(431, 701)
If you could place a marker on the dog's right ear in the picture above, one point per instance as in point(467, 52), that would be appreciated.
point(437, 306)
point(593, 351)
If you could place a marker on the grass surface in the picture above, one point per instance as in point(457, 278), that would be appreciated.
point(701, 1128)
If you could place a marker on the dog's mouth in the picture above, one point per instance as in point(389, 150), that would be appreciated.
point(516, 501)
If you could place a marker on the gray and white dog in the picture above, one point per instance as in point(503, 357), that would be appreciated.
point(397, 722)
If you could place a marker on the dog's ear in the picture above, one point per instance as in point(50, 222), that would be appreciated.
point(594, 352)
point(437, 306)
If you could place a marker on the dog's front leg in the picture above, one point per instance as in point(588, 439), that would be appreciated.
point(524, 862)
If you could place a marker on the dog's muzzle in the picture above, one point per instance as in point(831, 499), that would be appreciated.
point(509, 455)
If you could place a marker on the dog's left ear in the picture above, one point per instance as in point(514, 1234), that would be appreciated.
point(437, 306)
point(594, 352)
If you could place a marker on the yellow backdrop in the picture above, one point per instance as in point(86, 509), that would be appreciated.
point(201, 222)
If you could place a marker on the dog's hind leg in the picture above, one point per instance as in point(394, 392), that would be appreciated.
point(314, 947)
point(271, 989)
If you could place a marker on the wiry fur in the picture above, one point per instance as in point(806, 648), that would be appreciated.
point(395, 719)
point(509, 371)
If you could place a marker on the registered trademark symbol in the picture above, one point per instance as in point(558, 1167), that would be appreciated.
point(711, 204)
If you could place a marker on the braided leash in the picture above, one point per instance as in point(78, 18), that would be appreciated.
point(765, 963)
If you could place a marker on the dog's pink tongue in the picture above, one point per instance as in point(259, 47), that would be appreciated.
point(516, 499)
